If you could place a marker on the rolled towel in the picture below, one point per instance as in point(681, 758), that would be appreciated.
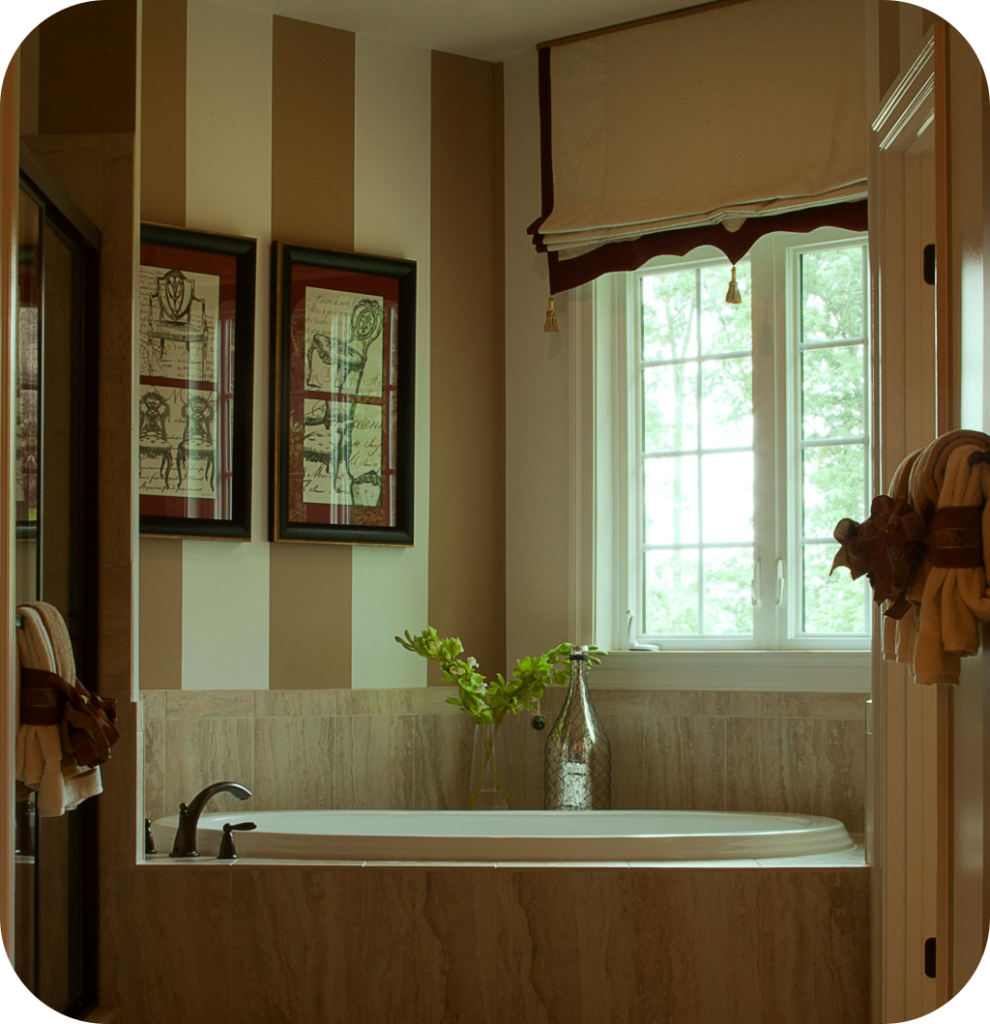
point(955, 599)
point(898, 634)
point(45, 761)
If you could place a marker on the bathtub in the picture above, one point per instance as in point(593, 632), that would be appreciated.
point(517, 835)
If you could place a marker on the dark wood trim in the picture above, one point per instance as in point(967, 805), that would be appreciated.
point(43, 181)
point(284, 258)
point(245, 252)
point(651, 20)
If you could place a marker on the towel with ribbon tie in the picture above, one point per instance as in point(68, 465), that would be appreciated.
point(924, 549)
point(65, 732)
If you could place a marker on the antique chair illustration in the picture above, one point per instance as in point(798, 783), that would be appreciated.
point(153, 414)
point(346, 356)
point(176, 314)
point(330, 444)
point(197, 437)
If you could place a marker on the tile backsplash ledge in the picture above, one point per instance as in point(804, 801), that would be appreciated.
point(408, 749)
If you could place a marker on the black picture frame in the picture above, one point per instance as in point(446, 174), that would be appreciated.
point(391, 284)
point(231, 515)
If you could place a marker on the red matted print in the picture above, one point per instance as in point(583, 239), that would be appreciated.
point(186, 387)
point(342, 398)
point(28, 371)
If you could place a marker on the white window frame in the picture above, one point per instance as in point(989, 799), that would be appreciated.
point(788, 254)
point(603, 462)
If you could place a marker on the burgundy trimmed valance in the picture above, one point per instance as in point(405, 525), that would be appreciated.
point(714, 125)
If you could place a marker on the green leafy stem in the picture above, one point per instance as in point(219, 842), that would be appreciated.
point(488, 701)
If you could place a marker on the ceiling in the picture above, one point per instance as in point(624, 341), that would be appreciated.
point(487, 29)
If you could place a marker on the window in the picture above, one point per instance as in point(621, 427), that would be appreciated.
point(748, 434)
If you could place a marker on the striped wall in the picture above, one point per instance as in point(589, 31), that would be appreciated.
point(279, 129)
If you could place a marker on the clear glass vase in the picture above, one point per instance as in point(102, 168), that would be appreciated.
point(487, 794)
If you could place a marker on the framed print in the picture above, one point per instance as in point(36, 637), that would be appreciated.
point(27, 424)
point(196, 382)
point(343, 397)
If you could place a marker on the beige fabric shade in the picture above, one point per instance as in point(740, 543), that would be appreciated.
point(747, 110)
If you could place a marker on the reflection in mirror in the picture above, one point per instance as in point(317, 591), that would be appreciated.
point(55, 548)
point(59, 579)
point(27, 430)
point(27, 361)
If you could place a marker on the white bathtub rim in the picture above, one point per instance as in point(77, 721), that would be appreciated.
point(580, 837)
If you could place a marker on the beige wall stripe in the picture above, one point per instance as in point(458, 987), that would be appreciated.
point(163, 199)
point(160, 648)
point(312, 204)
point(467, 554)
point(312, 135)
point(163, 112)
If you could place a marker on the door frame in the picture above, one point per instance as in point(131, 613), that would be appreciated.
point(915, 842)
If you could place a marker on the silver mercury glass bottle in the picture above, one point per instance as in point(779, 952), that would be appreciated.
point(578, 771)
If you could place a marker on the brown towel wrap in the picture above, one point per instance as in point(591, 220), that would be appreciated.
point(955, 538)
point(42, 697)
point(90, 720)
point(888, 546)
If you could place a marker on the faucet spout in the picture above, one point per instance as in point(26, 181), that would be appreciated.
point(185, 836)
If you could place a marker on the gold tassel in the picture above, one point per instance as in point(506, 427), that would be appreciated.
point(733, 296)
point(551, 322)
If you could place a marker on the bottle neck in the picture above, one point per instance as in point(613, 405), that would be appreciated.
point(579, 678)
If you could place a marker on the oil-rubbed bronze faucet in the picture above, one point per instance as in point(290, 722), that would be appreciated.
point(185, 836)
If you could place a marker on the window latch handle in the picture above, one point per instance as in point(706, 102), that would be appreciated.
point(756, 587)
point(781, 579)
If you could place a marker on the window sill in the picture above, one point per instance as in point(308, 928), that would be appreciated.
point(807, 671)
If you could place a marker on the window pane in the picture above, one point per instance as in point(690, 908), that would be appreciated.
point(728, 576)
point(727, 403)
point(832, 604)
point(833, 385)
point(727, 497)
point(833, 487)
point(670, 408)
point(671, 500)
point(725, 328)
point(670, 321)
point(671, 585)
point(832, 294)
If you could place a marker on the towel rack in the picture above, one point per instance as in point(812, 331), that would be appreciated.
point(19, 620)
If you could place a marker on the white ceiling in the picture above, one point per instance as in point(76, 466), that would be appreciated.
point(487, 29)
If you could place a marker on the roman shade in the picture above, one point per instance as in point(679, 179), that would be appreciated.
point(730, 119)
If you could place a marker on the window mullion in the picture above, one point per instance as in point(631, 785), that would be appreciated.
point(764, 426)
point(701, 493)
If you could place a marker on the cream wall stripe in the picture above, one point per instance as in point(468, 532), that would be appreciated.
point(163, 199)
point(467, 548)
point(392, 218)
point(225, 610)
point(312, 204)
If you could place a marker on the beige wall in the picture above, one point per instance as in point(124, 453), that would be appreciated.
point(467, 450)
point(303, 163)
point(536, 386)
point(312, 204)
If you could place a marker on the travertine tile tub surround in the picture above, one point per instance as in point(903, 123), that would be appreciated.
point(289, 942)
point(407, 749)
point(205, 943)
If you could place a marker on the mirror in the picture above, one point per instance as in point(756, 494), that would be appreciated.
point(55, 483)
